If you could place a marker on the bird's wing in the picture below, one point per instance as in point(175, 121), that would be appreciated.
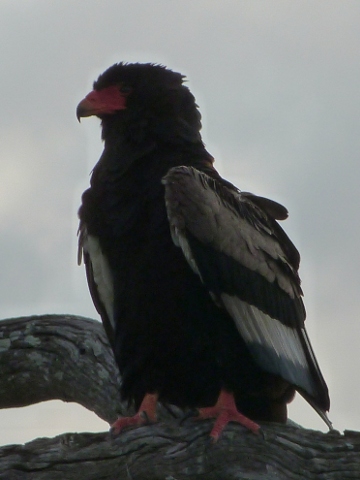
point(99, 278)
point(233, 242)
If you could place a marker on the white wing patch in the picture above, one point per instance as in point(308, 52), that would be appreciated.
point(276, 344)
point(102, 275)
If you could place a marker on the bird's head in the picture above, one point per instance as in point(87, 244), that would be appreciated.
point(142, 100)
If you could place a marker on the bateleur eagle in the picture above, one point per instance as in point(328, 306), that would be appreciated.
point(196, 283)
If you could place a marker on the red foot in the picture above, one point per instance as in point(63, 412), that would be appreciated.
point(146, 414)
point(225, 411)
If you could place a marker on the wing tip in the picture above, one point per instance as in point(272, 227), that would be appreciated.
point(271, 207)
point(322, 412)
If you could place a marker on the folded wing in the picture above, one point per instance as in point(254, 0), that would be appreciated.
point(99, 278)
point(233, 242)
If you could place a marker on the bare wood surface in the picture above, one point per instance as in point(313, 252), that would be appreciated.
point(62, 357)
point(173, 452)
point(69, 358)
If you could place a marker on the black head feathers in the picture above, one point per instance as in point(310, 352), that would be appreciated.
point(139, 75)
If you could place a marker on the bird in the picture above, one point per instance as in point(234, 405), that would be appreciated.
point(195, 281)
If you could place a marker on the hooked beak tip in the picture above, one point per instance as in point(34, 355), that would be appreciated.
point(84, 109)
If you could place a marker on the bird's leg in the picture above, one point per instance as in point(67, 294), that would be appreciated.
point(225, 411)
point(145, 414)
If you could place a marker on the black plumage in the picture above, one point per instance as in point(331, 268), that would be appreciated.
point(196, 283)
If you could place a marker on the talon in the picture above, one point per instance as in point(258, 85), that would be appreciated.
point(145, 415)
point(225, 411)
point(124, 422)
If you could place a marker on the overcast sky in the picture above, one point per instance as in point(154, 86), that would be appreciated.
point(278, 87)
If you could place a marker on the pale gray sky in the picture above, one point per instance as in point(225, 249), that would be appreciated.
point(278, 86)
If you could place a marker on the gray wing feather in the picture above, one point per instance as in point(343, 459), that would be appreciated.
point(192, 205)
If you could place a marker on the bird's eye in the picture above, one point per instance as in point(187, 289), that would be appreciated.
point(126, 89)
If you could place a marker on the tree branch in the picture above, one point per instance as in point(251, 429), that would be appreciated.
point(169, 451)
point(62, 357)
point(68, 357)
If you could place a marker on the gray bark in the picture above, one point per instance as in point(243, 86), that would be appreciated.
point(62, 357)
point(68, 358)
